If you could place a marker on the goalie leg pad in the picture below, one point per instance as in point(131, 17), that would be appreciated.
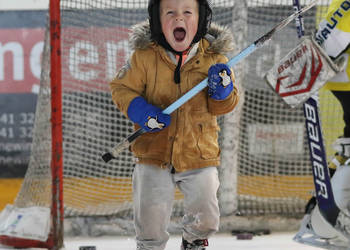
point(315, 230)
point(341, 187)
point(323, 228)
point(332, 238)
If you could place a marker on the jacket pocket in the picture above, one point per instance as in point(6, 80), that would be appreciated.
point(208, 141)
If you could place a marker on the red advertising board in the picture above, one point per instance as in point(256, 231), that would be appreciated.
point(20, 59)
point(91, 57)
point(86, 60)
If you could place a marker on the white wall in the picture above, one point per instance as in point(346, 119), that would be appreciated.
point(23, 4)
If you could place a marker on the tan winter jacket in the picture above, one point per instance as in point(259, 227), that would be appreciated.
point(191, 140)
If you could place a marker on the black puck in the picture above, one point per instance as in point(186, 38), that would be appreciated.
point(87, 248)
point(244, 236)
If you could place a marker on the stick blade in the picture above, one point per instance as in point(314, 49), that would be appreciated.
point(107, 157)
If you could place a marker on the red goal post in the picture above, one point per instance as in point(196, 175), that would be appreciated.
point(55, 234)
point(57, 208)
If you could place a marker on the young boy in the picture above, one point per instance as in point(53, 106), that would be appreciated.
point(173, 52)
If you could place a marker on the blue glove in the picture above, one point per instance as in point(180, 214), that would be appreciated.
point(149, 117)
point(219, 81)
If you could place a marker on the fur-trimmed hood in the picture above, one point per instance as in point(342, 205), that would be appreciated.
point(219, 37)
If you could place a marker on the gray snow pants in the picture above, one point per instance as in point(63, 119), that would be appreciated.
point(153, 193)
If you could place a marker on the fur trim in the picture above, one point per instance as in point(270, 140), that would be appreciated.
point(219, 37)
point(140, 37)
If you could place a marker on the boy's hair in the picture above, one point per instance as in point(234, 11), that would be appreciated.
point(204, 20)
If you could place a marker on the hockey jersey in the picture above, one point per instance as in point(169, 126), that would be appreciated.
point(333, 35)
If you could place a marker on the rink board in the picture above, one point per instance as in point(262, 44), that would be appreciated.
point(82, 193)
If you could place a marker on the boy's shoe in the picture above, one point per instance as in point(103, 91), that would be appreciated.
point(195, 245)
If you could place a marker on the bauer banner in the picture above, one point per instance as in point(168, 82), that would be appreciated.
point(303, 71)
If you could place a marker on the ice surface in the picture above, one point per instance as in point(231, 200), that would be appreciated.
point(274, 241)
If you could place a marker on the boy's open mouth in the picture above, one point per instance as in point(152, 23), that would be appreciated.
point(179, 34)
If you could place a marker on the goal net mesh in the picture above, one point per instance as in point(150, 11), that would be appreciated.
point(271, 172)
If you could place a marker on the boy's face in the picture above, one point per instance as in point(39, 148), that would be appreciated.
point(179, 20)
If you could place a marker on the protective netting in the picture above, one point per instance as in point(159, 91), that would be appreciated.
point(274, 173)
point(271, 171)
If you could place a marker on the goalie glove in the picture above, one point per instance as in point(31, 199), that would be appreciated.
point(302, 72)
point(148, 116)
point(219, 81)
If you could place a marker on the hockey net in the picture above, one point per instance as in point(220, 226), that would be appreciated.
point(265, 163)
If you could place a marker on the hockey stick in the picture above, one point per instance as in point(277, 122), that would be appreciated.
point(112, 153)
point(322, 180)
